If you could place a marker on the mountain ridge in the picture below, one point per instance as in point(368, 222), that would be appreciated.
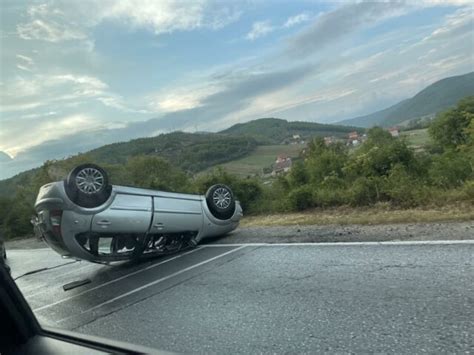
point(436, 97)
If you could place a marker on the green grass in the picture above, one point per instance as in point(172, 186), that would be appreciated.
point(378, 214)
point(417, 138)
point(263, 156)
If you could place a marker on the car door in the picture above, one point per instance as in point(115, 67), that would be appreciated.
point(176, 214)
point(127, 214)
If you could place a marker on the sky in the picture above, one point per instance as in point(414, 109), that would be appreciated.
point(75, 75)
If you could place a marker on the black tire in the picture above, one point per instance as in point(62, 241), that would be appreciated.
point(221, 201)
point(87, 185)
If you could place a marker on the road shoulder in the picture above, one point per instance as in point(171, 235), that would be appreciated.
point(351, 233)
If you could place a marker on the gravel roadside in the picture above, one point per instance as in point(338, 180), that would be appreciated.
point(351, 233)
point(324, 234)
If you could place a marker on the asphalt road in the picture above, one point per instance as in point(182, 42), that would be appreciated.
point(304, 298)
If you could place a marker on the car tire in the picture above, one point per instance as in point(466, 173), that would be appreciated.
point(221, 201)
point(87, 185)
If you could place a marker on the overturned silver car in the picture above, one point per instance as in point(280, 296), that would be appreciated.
point(85, 217)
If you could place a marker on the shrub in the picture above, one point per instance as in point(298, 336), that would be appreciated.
point(468, 191)
point(325, 197)
point(450, 169)
point(301, 198)
point(402, 189)
point(17, 220)
point(364, 191)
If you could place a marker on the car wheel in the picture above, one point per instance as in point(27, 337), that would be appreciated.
point(221, 201)
point(87, 185)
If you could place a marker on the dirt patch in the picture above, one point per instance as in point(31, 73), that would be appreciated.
point(351, 233)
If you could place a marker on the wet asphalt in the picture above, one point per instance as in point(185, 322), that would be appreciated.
point(335, 298)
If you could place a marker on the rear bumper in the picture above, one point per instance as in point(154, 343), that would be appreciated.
point(43, 230)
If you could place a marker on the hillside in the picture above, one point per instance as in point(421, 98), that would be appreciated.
point(191, 152)
point(276, 131)
point(194, 152)
point(437, 97)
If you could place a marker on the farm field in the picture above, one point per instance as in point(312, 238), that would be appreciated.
point(416, 138)
point(263, 156)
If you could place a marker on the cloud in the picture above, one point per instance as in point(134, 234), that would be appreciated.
point(262, 28)
point(25, 59)
point(64, 20)
point(297, 19)
point(40, 90)
point(48, 23)
point(339, 23)
point(25, 63)
point(47, 128)
point(182, 98)
point(460, 22)
point(169, 16)
point(259, 29)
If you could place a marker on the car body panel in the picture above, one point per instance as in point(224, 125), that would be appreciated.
point(126, 214)
point(174, 214)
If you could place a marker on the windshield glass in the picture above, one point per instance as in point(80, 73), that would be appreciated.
point(241, 176)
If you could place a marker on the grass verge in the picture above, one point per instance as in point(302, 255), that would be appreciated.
point(378, 214)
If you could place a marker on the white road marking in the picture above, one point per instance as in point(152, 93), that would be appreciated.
point(157, 281)
point(339, 244)
point(112, 281)
point(28, 250)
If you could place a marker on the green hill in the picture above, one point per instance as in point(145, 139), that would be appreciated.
point(190, 151)
point(276, 131)
point(193, 152)
point(437, 97)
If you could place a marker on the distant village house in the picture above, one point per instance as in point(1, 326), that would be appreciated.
point(294, 139)
point(282, 164)
point(328, 140)
point(394, 131)
point(353, 138)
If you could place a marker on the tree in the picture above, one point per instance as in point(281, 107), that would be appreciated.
point(379, 154)
point(325, 160)
point(156, 173)
point(298, 175)
point(450, 128)
point(450, 169)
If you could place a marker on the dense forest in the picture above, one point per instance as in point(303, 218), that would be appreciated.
point(383, 169)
